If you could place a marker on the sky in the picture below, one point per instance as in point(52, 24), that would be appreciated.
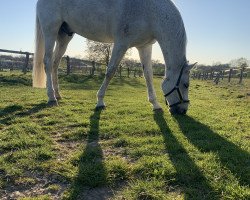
point(217, 30)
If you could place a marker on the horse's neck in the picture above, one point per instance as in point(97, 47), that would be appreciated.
point(173, 71)
point(172, 75)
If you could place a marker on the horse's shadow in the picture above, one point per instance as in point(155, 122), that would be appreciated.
point(230, 155)
point(15, 111)
point(78, 82)
point(92, 175)
point(188, 175)
point(10, 109)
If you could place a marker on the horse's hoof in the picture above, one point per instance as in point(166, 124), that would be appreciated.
point(52, 103)
point(99, 108)
point(158, 110)
point(58, 98)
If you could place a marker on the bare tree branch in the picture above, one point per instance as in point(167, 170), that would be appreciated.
point(100, 52)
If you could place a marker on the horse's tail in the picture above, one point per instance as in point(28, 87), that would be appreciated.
point(39, 76)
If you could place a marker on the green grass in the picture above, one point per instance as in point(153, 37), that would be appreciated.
point(126, 151)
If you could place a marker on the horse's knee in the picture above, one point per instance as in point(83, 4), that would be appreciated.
point(47, 68)
point(110, 73)
point(108, 76)
point(48, 63)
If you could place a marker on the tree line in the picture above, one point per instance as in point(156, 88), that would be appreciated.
point(216, 67)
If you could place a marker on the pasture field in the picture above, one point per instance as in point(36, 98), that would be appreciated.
point(126, 151)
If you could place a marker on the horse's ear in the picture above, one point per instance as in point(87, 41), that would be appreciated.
point(191, 66)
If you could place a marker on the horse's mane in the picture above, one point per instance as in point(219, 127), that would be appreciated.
point(181, 35)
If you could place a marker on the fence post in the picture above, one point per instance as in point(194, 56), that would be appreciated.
point(199, 76)
point(205, 75)
point(222, 75)
point(93, 68)
point(26, 64)
point(230, 75)
point(217, 79)
point(241, 75)
point(12, 67)
point(68, 65)
point(120, 71)
point(196, 75)
point(212, 76)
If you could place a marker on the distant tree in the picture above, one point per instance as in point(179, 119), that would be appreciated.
point(158, 67)
point(99, 52)
point(209, 68)
point(130, 63)
point(240, 63)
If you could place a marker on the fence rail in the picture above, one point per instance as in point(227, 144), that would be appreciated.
point(69, 65)
point(87, 67)
point(217, 76)
point(27, 57)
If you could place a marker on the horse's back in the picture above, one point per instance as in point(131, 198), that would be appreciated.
point(107, 20)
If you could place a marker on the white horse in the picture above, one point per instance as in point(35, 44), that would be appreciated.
point(126, 23)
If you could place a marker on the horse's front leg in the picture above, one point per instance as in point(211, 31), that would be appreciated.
point(145, 57)
point(117, 54)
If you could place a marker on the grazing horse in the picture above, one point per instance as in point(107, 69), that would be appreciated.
point(126, 23)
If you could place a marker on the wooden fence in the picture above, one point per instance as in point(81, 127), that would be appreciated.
point(27, 57)
point(217, 76)
point(72, 65)
point(25, 65)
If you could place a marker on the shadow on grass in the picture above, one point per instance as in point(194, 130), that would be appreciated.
point(11, 80)
point(10, 109)
point(188, 175)
point(83, 82)
point(231, 156)
point(10, 112)
point(133, 82)
point(92, 173)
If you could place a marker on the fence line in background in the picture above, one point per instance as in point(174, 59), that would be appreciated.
point(93, 68)
point(27, 57)
point(72, 66)
point(216, 76)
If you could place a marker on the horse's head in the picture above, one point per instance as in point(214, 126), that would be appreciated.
point(175, 89)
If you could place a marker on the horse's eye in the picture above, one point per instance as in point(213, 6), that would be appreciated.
point(186, 85)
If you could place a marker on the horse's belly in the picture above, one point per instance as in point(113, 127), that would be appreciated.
point(93, 19)
point(98, 34)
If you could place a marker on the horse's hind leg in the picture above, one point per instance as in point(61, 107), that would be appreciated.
point(61, 45)
point(145, 56)
point(50, 39)
point(117, 54)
